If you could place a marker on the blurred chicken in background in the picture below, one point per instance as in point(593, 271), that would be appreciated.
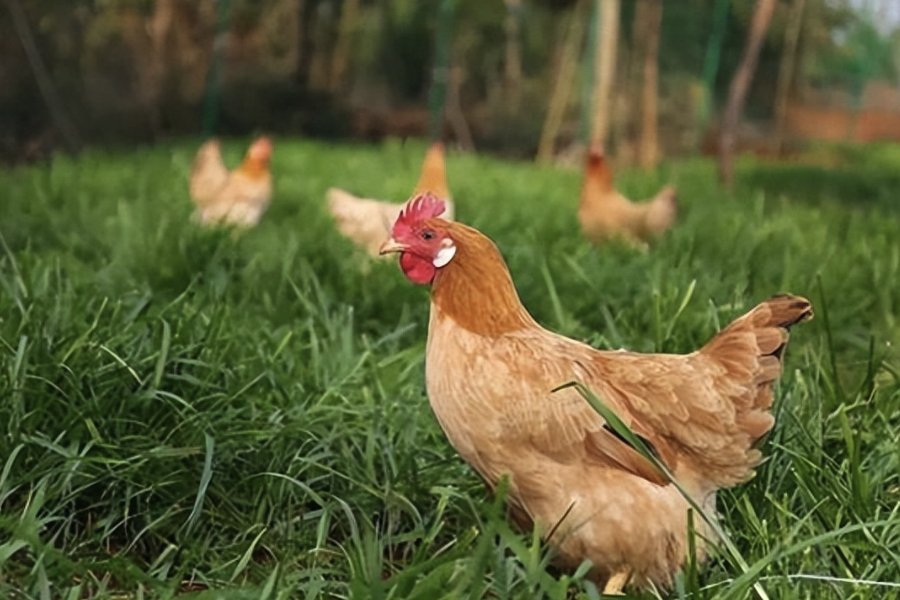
point(605, 214)
point(239, 197)
point(368, 222)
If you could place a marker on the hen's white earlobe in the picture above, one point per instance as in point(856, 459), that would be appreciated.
point(444, 256)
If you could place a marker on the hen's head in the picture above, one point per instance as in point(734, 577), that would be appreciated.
point(423, 240)
point(260, 151)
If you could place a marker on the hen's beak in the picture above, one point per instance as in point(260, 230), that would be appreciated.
point(391, 246)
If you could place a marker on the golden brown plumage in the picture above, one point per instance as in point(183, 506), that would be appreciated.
point(606, 214)
point(490, 370)
point(368, 222)
point(236, 198)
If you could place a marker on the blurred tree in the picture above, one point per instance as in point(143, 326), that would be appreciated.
point(740, 84)
point(144, 63)
point(562, 86)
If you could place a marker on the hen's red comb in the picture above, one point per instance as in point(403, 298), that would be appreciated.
point(421, 207)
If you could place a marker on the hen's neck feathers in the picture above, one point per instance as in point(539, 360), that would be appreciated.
point(475, 289)
point(433, 177)
point(598, 180)
point(254, 169)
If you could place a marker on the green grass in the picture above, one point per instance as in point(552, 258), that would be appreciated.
point(181, 410)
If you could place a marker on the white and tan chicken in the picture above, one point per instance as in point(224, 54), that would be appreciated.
point(239, 197)
point(368, 222)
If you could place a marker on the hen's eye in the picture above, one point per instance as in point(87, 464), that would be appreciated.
point(427, 235)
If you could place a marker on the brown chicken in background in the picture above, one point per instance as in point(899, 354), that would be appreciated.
point(368, 222)
point(490, 372)
point(239, 197)
point(605, 214)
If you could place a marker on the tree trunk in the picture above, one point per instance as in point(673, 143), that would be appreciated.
point(648, 153)
point(341, 56)
point(786, 71)
point(559, 97)
point(740, 85)
point(605, 70)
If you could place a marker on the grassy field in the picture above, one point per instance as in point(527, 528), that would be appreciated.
point(183, 412)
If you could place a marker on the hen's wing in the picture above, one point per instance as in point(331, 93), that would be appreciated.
point(208, 173)
point(701, 413)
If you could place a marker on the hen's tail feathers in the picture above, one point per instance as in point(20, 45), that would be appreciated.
point(342, 205)
point(662, 211)
point(597, 172)
point(433, 177)
point(208, 173)
point(751, 350)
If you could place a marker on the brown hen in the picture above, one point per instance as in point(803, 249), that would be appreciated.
point(605, 214)
point(490, 372)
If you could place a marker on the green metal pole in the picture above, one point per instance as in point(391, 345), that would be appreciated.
point(712, 58)
point(587, 87)
point(213, 92)
point(440, 72)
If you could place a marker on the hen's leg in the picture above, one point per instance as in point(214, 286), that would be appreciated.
point(617, 583)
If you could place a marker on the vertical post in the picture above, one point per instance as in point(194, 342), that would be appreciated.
point(214, 76)
point(786, 71)
point(587, 88)
point(440, 71)
point(711, 64)
point(512, 67)
point(605, 68)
